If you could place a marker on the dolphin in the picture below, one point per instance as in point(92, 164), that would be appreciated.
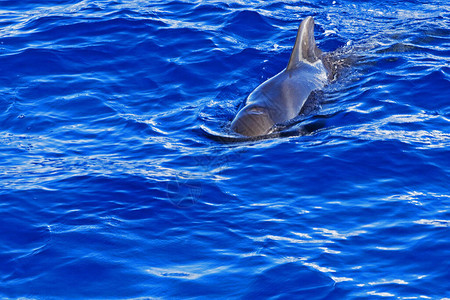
point(281, 98)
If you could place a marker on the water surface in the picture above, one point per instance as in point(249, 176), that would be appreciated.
point(112, 185)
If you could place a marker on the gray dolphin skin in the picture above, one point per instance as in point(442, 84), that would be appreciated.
point(281, 98)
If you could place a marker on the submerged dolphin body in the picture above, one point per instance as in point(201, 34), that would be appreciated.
point(281, 98)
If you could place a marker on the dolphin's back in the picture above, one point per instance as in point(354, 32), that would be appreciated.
point(286, 92)
point(282, 97)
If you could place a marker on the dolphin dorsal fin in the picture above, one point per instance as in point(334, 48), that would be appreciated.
point(305, 48)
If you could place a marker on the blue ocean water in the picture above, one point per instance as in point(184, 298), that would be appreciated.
point(116, 180)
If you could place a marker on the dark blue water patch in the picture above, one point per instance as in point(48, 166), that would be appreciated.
point(26, 118)
point(248, 24)
point(34, 4)
point(311, 284)
point(208, 14)
point(54, 33)
point(332, 44)
point(175, 39)
point(68, 61)
point(178, 6)
point(391, 62)
point(434, 83)
point(50, 58)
